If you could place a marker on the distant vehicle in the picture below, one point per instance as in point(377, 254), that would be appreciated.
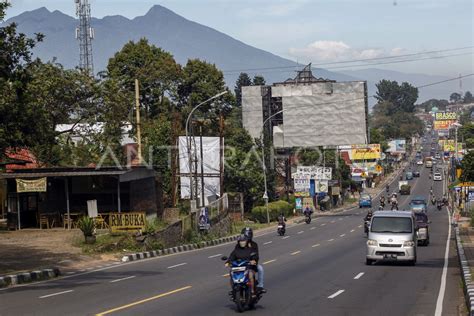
point(438, 156)
point(365, 200)
point(428, 162)
point(419, 162)
point(418, 204)
point(422, 229)
point(409, 175)
point(392, 236)
point(416, 174)
point(437, 177)
point(404, 188)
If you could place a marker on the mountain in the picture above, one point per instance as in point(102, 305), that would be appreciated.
point(440, 91)
point(183, 38)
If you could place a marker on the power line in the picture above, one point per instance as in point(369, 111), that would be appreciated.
point(452, 79)
point(286, 68)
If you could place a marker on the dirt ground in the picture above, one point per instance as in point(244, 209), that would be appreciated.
point(33, 249)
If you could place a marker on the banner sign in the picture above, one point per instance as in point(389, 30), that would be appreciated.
point(298, 203)
point(313, 172)
point(443, 125)
point(302, 186)
point(397, 146)
point(445, 116)
point(365, 152)
point(449, 145)
point(38, 185)
point(127, 221)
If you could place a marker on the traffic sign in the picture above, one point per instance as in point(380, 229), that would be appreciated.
point(379, 168)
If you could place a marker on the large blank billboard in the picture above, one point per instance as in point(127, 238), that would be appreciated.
point(314, 114)
point(323, 114)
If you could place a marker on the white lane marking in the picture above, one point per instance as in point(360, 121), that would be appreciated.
point(123, 279)
point(333, 222)
point(314, 246)
point(300, 232)
point(268, 242)
point(442, 287)
point(353, 230)
point(336, 294)
point(323, 224)
point(360, 226)
point(331, 239)
point(269, 261)
point(357, 277)
point(214, 256)
point(54, 294)
point(342, 235)
point(177, 265)
point(295, 253)
point(312, 228)
point(286, 237)
point(341, 219)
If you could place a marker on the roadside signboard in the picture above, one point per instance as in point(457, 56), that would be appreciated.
point(365, 152)
point(443, 125)
point(445, 116)
point(313, 172)
point(298, 203)
point(397, 146)
point(38, 185)
point(127, 221)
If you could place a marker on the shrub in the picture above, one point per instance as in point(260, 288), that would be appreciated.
point(86, 225)
point(259, 213)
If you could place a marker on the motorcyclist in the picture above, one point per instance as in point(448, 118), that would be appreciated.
point(308, 211)
point(394, 201)
point(243, 251)
point(248, 232)
point(387, 188)
point(368, 217)
point(382, 201)
point(282, 220)
point(445, 200)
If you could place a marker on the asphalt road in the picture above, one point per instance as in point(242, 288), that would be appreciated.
point(316, 269)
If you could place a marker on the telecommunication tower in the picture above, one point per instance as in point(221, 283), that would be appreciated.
point(85, 35)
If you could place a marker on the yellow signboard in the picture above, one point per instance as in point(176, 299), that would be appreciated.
point(443, 116)
point(378, 168)
point(466, 184)
point(365, 152)
point(127, 221)
point(38, 185)
point(449, 145)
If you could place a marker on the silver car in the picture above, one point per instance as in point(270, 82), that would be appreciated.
point(392, 236)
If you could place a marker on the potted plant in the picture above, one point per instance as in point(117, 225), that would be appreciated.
point(87, 226)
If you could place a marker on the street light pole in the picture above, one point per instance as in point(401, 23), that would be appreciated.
point(188, 141)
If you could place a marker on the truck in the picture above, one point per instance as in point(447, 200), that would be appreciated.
point(429, 162)
point(404, 188)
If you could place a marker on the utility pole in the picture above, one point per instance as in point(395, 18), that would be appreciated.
point(202, 167)
point(137, 109)
point(221, 154)
point(85, 35)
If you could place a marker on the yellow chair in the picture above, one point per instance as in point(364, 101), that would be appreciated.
point(43, 221)
point(100, 222)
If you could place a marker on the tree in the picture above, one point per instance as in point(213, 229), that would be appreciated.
point(258, 80)
point(16, 114)
point(468, 98)
point(467, 166)
point(243, 81)
point(401, 97)
point(428, 105)
point(157, 72)
point(455, 97)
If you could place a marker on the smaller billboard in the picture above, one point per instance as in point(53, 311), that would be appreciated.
point(443, 125)
point(38, 185)
point(397, 146)
point(365, 152)
point(445, 116)
point(313, 172)
point(450, 145)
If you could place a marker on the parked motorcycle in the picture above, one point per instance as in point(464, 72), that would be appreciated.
point(241, 287)
point(281, 229)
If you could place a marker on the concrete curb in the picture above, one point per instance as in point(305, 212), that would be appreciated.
point(178, 249)
point(466, 274)
point(28, 277)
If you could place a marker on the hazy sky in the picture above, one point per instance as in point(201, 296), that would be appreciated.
point(320, 30)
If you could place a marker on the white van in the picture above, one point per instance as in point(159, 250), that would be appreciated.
point(392, 236)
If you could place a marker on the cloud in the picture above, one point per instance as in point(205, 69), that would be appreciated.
point(338, 50)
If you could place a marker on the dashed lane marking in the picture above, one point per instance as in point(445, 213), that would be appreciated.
point(357, 277)
point(360, 226)
point(123, 279)
point(286, 237)
point(214, 256)
point(331, 239)
point(58, 293)
point(342, 235)
point(323, 224)
point(300, 232)
point(177, 265)
point(314, 246)
point(336, 294)
point(296, 252)
point(312, 228)
point(268, 242)
point(353, 230)
point(269, 261)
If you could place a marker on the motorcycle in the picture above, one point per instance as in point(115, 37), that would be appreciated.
point(394, 206)
point(366, 227)
point(433, 201)
point(439, 206)
point(241, 286)
point(307, 218)
point(281, 229)
point(381, 207)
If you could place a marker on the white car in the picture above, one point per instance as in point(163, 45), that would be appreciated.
point(437, 177)
point(419, 162)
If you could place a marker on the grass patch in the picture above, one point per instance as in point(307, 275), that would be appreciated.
point(351, 200)
point(119, 242)
point(238, 226)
